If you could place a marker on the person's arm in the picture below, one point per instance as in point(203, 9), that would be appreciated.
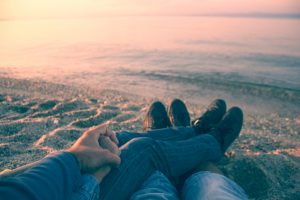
point(89, 188)
point(58, 175)
point(54, 178)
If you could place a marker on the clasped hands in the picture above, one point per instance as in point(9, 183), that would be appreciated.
point(96, 151)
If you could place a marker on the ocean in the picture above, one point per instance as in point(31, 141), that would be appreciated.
point(242, 59)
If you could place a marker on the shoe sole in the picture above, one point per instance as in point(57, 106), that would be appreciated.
point(156, 117)
point(230, 127)
point(178, 113)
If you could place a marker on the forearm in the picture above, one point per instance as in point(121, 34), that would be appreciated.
point(55, 177)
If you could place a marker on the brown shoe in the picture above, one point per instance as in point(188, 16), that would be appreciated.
point(229, 128)
point(156, 117)
point(211, 117)
point(178, 113)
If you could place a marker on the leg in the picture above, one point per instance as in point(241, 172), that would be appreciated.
point(212, 186)
point(209, 183)
point(166, 134)
point(178, 114)
point(157, 121)
point(142, 156)
point(156, 187)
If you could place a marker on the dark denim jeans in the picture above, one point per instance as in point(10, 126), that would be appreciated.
point(172, 151)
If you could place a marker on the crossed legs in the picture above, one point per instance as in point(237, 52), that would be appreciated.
point(142, 156)
point(182, 150)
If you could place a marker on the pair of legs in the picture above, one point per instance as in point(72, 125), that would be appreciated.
point(200, 185)
point(205, 182)
point(172, 151)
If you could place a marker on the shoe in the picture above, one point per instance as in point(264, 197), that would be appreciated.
point(178, 113)
point(156, 117)
point(229, 128)
point(211, 117)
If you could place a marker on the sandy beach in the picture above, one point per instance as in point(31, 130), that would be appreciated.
point(38, 117)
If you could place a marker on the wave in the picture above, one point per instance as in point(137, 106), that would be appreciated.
point(224, 82)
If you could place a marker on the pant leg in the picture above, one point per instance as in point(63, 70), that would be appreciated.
point(211, 186)
point(142, 156)
point(156, 187)
point(166, 134)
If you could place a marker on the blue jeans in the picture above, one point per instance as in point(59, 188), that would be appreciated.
point(173, 151)
point(208, 185)
point(202, 185)
point(156, 187)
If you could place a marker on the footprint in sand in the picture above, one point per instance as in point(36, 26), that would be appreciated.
point(95, 120)
point(19, 109)
point(48, 104)
point(60, 108)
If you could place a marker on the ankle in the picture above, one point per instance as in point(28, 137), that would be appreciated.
point(217, 136)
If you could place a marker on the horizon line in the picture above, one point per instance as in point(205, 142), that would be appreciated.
point(233, 15)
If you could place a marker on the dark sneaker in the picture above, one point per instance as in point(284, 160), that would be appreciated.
point(229, 128)
point(178, 113)
point(211, 117)
point(156, 117)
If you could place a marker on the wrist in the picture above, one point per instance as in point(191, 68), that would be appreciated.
point(73, 154)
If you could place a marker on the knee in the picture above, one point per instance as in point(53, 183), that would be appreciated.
point(203, 184)
point(138, 144)
point(207, 178)
point(215, 186)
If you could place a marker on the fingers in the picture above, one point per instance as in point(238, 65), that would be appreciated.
point(112, 136)
point(93, 153)
point(96, 131)
point(107, 143)
point(108, 158)
point(102, 129)
point(101, 173)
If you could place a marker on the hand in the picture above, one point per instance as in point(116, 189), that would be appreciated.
point(90, 155)
point(108, 144)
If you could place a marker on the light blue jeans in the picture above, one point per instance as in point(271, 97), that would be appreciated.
point(202, 185)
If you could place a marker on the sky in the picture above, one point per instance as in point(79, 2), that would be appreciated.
point(16, 9)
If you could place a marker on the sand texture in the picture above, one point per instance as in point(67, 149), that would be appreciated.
point(37, 117)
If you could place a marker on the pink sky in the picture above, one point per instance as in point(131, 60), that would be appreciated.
point(72, 8)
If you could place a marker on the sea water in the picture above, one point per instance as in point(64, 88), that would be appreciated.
point(243, 59)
